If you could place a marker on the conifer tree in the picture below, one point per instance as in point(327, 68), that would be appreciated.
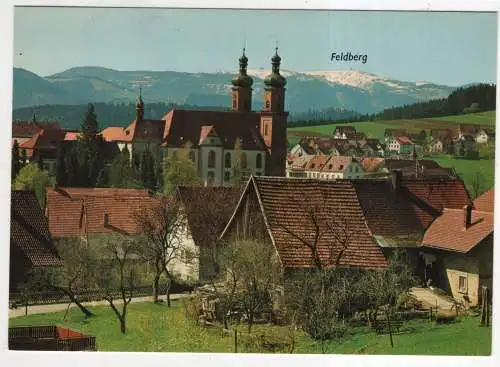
point(61, 178)
point(89, 126)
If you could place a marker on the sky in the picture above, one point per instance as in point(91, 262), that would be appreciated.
point(453, 48)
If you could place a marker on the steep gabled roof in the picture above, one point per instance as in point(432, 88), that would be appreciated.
point(337, 164)
point(486, 202)
point(29, 231)
point(29, 128)
point(409, 209)
point(286, 205)
point(182, 126)
point(208, 210)
point(448, 232)
point(79, 211)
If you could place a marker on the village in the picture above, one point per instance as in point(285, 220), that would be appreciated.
point(320, 237)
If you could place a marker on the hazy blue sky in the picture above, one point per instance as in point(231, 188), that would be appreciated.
point(447, 48)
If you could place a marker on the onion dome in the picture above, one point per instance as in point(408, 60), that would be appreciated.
point(242, 79)
point(275, 79)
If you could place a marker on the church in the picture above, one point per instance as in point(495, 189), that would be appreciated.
point(258, 136)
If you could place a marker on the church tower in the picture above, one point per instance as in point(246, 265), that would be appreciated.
point(242, 88)
point(273, 119)
point(139, 108)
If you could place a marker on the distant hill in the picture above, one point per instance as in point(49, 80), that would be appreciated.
point(351, 90)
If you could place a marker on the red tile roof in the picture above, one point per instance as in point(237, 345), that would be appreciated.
point(410, 209)
point(486, 202)
point(316, 163)
point(337, 164)
point(448, 232)
point(285, 204)
point(29, 231)
point(404, 140)
point(29, 128)
point(78, 211)
point(45, 139)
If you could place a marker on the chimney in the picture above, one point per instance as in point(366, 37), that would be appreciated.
point(396, 176)
point(467, 216)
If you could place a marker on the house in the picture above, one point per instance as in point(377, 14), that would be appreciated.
point(297, 167)
point(213, 136)
point(372, 148)
point(283, 213)
point(394, 133)
point(43, 145)
point(467, 130)
point(400, 144)
point(95, 214)
point(342, 132)
point(314, 166)
point(342, 167)
point(441, 134)
point(417, 168)
point(207, 211)
point(24, 130)
point(301, 149)
point(461, 241)
point(398, 211)
point(435, 146)
point(391, 214)
point(483, 136)
point(31, 244)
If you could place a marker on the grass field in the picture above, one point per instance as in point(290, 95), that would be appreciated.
point(377, 128)
point(467, 170)
point(157, 328)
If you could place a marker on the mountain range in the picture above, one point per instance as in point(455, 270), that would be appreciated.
point(348, 89)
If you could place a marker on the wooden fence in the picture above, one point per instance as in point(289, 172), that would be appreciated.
point(49, 338)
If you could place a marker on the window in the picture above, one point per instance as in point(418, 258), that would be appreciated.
point(210, 177)
point(227, 160)
point(243, 160)
point(341, 166)
point(234, 102)
point(258, 160)
point(227, 176)
point(268, 104)
point(462, 284)
point(211, 159)
point(265, 129)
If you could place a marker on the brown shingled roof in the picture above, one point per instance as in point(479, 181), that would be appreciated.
point(486, 202)
point(411, 208)
point(29, 231)
point(285, 204)
point(186, 125)
point(447, 232)
point(78, 211)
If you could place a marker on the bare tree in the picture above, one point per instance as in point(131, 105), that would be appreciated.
point(75, 275)
point(118, 273)
point(162, 225)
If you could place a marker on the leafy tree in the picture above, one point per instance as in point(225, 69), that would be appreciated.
point(72, 168)
point(16, 161)
point(122, 172)
point(31, 177)
point(180, 170)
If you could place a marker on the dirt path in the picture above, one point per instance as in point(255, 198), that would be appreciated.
point(57, 307)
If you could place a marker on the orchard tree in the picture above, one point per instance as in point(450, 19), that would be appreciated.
point(16, 161)
point(31, 177)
